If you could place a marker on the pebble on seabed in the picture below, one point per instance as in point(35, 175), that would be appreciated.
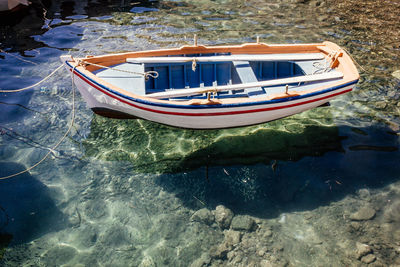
point(223, 216)
point(362, 250)
point(392, 212)
point(363, 214)
point(203, 215)
point(242, 223)
point(396, 74)
point(368, 258)
point(147, 261)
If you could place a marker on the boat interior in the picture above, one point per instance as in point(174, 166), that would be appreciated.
point(182, 77)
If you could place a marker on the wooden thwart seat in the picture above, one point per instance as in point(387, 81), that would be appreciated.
point(247, 75)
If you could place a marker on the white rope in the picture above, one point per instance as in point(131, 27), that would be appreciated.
point(194, 64)
point(320, 67)
point(17, 57)
point(355, 61)
point(51, 150)
point(146, 75)
point(36, 84)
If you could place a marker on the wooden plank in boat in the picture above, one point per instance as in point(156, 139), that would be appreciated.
point(250, 57)
point(247, 75)
point(297, 79)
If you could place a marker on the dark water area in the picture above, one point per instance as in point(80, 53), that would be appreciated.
point(28, 208)
point(321, 188)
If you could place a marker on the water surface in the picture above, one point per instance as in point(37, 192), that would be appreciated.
point(128, 192)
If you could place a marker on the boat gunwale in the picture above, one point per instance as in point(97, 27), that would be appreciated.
point(344, 65)
point(216, 105)
point(249, 48)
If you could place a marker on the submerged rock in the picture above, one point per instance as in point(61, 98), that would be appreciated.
point(204, 260)
point(396, 74)
point(147, 261)
point(232, 237)
point(364, 194)
point(356, 226)
point(203, 215)
point(267, 233)
point(223, 216)
point(363, 214)
point(362, 250)
point(381, 105)
point(221, 251)
point(368, 258)
point(392, 212)
point(242, 223)
point(265, 263)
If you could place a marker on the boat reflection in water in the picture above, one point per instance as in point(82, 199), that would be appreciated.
point(155, 148)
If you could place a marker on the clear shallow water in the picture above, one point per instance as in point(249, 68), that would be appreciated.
point(123, 193)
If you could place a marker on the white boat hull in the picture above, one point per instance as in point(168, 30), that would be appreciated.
point(99, 97)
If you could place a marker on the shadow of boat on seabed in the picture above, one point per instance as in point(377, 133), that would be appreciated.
point(154, 148)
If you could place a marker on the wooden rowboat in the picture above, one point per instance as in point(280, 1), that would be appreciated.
point(208, 87)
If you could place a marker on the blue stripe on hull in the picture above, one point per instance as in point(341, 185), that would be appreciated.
point(167, 105)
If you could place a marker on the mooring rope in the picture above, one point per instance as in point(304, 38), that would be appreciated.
point(33, 85)
point(146, 75)
point(17, 57)
point(354, 60)
point(51, 150)
point(322, 69)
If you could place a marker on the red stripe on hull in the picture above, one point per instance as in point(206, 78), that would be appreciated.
point(211, 113)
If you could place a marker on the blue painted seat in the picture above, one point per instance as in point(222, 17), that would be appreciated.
point(247, 75)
